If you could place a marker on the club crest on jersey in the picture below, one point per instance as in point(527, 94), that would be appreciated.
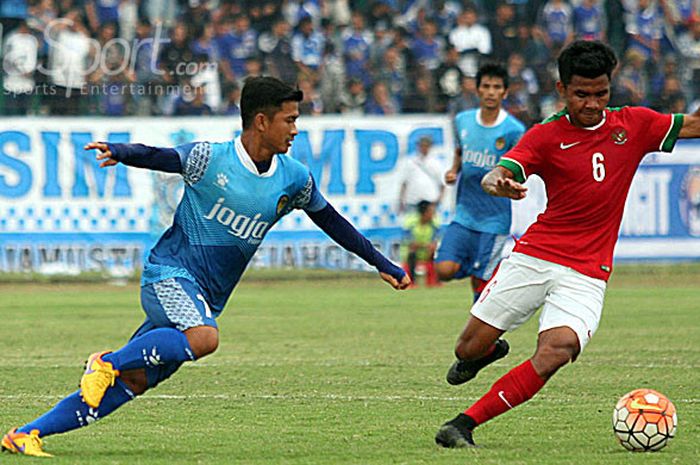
point(239, 225)
point(282, 203)
point(619, 136)
point(500, 143)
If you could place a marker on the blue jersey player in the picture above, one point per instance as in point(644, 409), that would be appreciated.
point(473, 243)
point(234, 193)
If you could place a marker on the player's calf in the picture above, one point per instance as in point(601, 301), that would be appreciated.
point(462, 371)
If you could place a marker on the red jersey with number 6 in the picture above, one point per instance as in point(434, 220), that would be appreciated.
point(587, 173)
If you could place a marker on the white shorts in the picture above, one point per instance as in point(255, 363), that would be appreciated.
point(523, 284)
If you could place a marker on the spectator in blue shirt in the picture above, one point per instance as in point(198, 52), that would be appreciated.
point(307, 48)
point(100, 12)
point(428, 47)
point(589, 20)
point(232, 100)
point(356, 44)
point(555, 19)
point(204, 43)
point(191, 102)
point(645, 30)
point(238, 45)
point(381, 103)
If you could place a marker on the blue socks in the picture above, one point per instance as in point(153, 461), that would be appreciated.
point(160, 352)
point(161, 346)
point(72, 412)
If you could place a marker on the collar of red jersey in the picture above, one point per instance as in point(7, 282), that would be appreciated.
point(591, 128)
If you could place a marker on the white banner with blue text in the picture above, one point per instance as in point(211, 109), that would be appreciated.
point(61, 213)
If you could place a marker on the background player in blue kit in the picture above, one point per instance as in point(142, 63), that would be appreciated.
point(234, 193)
point(473, 242)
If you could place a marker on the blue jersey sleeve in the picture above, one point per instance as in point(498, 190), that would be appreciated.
point(309, 197)
point(144, 156)
point(341, 231)
point(195, 159)
point(190, 160)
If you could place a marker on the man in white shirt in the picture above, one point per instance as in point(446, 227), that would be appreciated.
point(471, 39)
point(19, 63)
point(70, 49)
point(421, 178)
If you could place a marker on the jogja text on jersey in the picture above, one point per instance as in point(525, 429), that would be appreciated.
point(240, 226)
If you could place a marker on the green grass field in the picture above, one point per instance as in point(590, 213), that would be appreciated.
point(348, 371)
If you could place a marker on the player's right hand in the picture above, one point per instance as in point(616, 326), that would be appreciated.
point(396, 284)
point(103, 154)
point(450, 177)
point(507, 187)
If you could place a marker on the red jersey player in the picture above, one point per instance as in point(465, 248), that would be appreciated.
point(587, 156)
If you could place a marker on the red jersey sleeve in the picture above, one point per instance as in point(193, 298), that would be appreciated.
point(524, 159)
point(659, 131)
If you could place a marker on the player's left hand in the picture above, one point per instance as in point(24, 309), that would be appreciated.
point(104, 153)
point(400, 285)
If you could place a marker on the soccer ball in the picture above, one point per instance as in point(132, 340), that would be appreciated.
point(644, 420)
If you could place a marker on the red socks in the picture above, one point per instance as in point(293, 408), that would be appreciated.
point(514, 388)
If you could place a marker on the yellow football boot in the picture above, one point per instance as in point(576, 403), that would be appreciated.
point(23, 443)
point(98, 377)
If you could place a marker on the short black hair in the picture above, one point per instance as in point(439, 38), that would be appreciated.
point(265, 94)
point(492, 70)
point(588, 59)
point(423, 206)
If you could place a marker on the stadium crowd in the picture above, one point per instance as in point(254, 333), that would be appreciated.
point(190, 57)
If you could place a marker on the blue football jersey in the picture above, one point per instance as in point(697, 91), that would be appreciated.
point(226, 210)
point(482, 148)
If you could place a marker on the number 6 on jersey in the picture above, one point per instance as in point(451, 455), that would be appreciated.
point(598, 166)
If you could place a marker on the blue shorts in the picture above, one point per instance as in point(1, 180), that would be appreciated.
point(174, 303)
point(478, 253)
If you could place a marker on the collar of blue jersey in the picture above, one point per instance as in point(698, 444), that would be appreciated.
point(502, 115)
point(246, 161)
point(592, 128)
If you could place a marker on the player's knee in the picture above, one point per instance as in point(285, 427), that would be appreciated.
point(203, 340)
point(445, 270)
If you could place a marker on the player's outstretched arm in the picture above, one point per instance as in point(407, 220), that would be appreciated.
point(137, 155)
point(691, 126)
point(342, 232)
point(499, 182)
